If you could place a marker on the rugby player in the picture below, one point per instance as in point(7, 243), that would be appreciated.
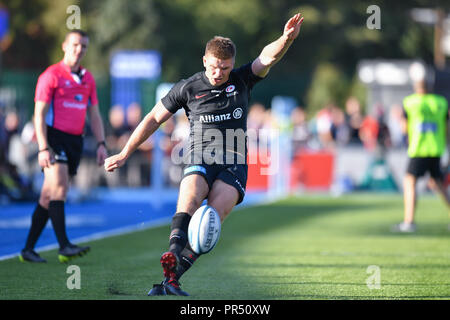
point(427, 117)
point(65, 92)
point(215, 102)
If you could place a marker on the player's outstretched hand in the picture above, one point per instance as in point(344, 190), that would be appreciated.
point(292, 27)
point(114, 162)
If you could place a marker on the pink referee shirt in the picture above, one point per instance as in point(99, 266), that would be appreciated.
point(68, 97)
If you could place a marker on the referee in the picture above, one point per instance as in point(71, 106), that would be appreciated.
point(427, 118)
point(65, 92)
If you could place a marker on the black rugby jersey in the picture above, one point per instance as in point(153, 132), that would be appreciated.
point(217, 115)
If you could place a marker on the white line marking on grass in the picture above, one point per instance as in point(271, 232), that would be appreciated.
point(252, 199)
point(103, 234)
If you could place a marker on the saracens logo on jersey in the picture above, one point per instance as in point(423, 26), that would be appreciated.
point(237, 113)
point(230, 88)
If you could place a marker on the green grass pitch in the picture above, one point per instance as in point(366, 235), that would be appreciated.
point(308, 247)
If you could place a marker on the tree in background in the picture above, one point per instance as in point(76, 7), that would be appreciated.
point(334, 37)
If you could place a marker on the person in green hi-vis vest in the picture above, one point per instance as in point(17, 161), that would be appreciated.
point(427, 116)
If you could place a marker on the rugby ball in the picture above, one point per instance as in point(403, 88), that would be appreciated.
point(204, 229)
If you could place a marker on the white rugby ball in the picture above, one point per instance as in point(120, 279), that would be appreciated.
point(204, 229)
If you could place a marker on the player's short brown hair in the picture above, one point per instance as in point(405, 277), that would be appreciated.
point(82, 33)
point(221, 48)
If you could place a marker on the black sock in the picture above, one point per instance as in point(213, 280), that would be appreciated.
point(178, 234)
point(38, 222)
point(188, 257)
point(57, 215)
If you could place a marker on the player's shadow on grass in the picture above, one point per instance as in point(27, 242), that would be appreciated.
point(259, 219)
point(384, 229)
point(362, 297)
point(410, 284)
point(298, 266)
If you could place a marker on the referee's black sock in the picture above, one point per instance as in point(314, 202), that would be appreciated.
point(178, 234)
point(57, 216)
point(38, 222)
point(188, 257)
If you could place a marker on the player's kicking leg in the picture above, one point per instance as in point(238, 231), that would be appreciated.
point(193, 189)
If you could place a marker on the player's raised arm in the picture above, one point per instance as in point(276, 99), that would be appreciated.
point(144, 130)
point(273, 52)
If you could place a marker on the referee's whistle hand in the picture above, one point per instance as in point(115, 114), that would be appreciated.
point(101, 155)
point(45, 159)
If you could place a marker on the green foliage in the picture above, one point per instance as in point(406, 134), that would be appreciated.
point(334, 33)
point(358, 90)
point(328, 85)
point(117, 24)
point(30, 44)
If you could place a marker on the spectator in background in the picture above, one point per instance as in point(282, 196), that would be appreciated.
point(324, 125)
point(256, 116)
point(368, 132)
point(29, 140)
point(339, 129)
point(116, 137)
point(384, 135)
point(138, 169)
point(3, 134)
point(16, 149)
point(397, 126)
point(117, 129)
point(256, 120)
point(353, 119)
point(173, 142)
point(374, 131)
point(172, 172)
point(13, 181)
point(11, 128)
point(300, 131)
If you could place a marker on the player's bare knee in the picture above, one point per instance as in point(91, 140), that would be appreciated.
point(45, 195)
point(44, 200)
point(59, 192)
point(189, 203)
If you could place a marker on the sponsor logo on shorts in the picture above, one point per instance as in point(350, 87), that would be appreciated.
point(240, 185)
point(195, 169)
point(61, 157)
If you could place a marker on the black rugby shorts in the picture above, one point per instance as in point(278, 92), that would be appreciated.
point(420, 166)
point(66, 147)
point(233, 174)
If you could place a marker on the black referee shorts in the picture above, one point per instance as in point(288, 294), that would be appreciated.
point(66, 147)
point(420, 166)
point(235, 175)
